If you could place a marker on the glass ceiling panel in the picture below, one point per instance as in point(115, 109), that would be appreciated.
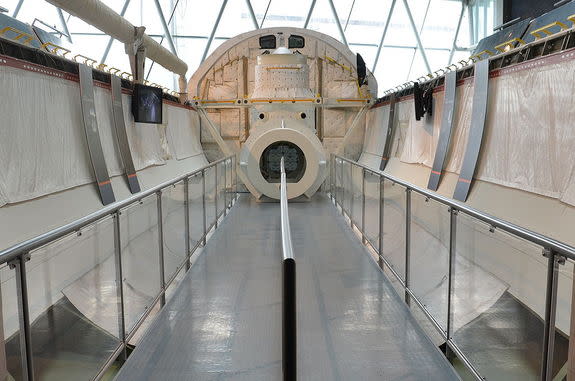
point(117, 57)
point(322, 19)
point(41, 10)
point(393, 67)
point(191, 50)
point(195, 18)
point(235, 20)
point(10, 5)
point(367, 27)
point(441, 24)
point(284, 13)
point(363, 21)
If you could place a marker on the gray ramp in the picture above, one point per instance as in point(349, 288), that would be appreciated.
point(224, 321)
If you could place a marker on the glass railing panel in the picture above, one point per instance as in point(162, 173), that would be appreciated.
point(10, 324)
point(498, 301)
point(73, 303)
point(196, 209)
point(393, 250)
point(174, 222)
point(356, 194)
point(337, 179)
point(563, 322)
point(346, 187)
point(429, 255)
point(371, 229)
point(140, 258)
point(210, 174)
point(221, 187)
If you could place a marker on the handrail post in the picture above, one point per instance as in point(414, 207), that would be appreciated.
point(187, 220)
point(120, 283)
point(363, 240)
point(331, 176)
point(352, 196)
point(225, 187)
point(161, 248)
point(26, 356)
point(342, 201)
point(236, 195)
point(204, 212)
point(451, 269)
point(553, 261)
point(381, 205)
point(407, 241)
point(216, 193)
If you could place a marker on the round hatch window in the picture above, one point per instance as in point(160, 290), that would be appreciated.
point(294, 162)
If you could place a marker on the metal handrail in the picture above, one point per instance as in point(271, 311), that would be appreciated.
point(287, 247)
point(14, 251)
point(540, 239)
point(289, 313)
point(556, 252)
point(17, 256)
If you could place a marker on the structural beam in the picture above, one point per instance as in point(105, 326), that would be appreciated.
point(349, 16)
point(211, 38)
point(337, 22)
point(193, 37)
point(265, 14)
point(111, 40)
point(420, 32)
point(417, 37)
point(385, 27)
point(308, 18)
point(64, 25)
point(252, 14)
point(17, 9)
point(167, 33)
point(453, 47)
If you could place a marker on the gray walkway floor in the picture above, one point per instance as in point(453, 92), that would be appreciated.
point(224, 321)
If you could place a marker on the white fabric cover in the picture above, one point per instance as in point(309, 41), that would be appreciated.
point(528, 139)
point(43, 147)
point(43, 144)
point(183, 132)
point(144, 139)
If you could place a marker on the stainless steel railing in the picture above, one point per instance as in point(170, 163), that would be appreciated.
point(287, 247)
point(555, 252)
point(289, 318)
point(18, 255)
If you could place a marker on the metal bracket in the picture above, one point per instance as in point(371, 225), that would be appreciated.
point(12, 264)
point(137, 53)
point(453, 210)
point(560, 258)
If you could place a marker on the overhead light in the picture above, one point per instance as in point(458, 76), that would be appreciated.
point(3, 10)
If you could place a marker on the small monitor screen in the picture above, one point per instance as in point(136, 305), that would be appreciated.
point(147, 104)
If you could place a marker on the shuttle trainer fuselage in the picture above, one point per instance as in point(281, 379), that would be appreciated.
point(283, 129)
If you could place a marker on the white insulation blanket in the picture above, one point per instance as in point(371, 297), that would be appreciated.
point(528, 141)
point(43, 144)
